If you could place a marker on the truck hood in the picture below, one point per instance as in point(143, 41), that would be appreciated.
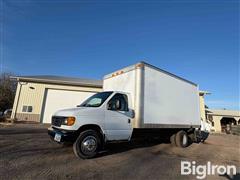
point(74, 111)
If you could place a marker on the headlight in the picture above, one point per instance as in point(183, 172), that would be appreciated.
point(69, 121)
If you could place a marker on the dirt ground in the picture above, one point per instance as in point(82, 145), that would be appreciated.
point(26, 152)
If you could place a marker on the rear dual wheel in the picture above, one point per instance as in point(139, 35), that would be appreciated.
point(180, 139)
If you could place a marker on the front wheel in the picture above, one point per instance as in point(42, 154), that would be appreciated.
point(87, 144)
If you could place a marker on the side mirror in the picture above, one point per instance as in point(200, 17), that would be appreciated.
point(132, 113)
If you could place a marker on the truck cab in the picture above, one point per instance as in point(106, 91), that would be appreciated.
point(105, 116)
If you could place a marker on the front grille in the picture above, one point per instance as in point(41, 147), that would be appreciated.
point(57, 120)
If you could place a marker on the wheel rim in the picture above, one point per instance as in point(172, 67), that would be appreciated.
point(89, 145)
point(184, 139)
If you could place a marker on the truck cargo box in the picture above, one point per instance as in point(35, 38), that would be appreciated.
point(159, 99)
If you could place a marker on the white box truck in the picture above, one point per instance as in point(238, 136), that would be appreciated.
point(139, 100)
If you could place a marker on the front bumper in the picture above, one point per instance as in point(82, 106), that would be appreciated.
point(66, 135)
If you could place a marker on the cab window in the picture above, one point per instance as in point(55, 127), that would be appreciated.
point(96, 100)
point(119, 102)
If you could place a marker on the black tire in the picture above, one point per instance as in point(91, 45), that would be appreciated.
point(173, 140)
point(87, 144)
point(182, 139)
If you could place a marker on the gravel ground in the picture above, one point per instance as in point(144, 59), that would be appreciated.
point(26, 152)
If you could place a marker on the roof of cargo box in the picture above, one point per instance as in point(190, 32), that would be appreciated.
point(142, 63)
point(60, 80)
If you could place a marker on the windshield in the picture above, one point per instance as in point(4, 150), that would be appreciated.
point(96, 100)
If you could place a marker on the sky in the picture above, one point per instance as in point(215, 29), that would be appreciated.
point(197, 40)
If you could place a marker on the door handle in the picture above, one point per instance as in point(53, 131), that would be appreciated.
point(129, 121)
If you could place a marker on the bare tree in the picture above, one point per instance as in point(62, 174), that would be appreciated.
point(7, 91)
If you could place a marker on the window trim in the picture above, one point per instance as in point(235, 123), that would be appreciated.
point(28, 108)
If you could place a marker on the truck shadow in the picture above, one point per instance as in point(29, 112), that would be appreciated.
point(115, 148)
point(22, 131)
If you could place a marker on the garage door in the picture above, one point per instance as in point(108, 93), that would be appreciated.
point(61, 99)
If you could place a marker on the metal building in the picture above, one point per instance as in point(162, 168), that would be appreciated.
point(223, 119)
point(38, 97)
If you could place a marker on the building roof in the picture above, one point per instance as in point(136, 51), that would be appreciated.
point(222, 112)
point(60, 80)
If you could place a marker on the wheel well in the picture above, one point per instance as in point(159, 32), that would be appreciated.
point(93, 127)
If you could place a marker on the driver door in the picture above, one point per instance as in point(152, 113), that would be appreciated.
point(117, 118)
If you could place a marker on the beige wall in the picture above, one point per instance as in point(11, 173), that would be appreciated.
point(216, 115)
point(32, 94)
point(32, 97)
point(217, 123)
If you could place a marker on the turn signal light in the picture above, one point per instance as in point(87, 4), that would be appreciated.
point(70, 121)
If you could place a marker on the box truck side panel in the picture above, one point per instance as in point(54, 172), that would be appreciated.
point(169, 101)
